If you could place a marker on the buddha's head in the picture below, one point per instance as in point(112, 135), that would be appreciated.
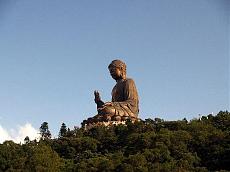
point(117, 69)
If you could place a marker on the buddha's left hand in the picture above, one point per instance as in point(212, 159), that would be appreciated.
point(108, 104)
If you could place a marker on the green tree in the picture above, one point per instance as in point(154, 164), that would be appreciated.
point(26, 140)
point(44, 131)
point(41, 157)
point(12, 157)
point(63, 130)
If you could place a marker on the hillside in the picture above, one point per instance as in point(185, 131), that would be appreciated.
point(149, 145)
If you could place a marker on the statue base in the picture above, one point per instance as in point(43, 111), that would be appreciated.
point(106, 120)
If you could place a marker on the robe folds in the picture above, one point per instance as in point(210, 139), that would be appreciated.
point(125, 99)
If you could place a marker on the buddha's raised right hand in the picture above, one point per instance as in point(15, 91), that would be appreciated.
point(97, 96)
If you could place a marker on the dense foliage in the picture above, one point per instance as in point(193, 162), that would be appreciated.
point(150, 145)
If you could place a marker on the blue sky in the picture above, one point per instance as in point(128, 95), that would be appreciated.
point(54, 54)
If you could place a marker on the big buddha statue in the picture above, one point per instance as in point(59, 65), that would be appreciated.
point(124, 104)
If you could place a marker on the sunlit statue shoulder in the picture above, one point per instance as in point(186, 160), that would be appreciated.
point(124, 104)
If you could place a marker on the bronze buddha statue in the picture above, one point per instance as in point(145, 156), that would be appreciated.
point(125, 102)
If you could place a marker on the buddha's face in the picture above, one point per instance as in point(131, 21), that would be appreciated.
point(116, 73)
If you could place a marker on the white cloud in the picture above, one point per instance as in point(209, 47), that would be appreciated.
point(4, 135)
point(19, 134)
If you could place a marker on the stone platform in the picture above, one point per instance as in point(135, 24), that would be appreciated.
point(106, 120)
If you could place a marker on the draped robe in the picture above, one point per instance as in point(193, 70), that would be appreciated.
point(125, 98)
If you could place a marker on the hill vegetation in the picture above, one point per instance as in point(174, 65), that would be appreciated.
point(151, 145)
